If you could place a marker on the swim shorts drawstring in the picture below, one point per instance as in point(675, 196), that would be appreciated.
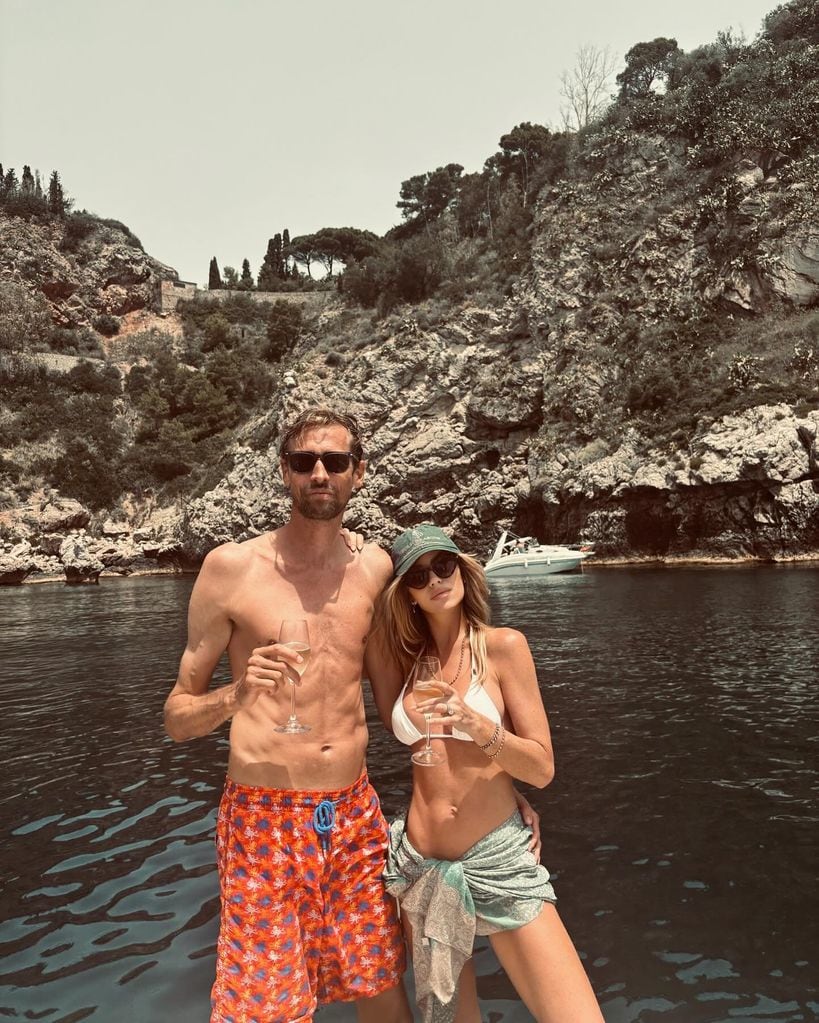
point(324, 818)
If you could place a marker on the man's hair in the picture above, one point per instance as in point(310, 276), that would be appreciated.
point(313, 418)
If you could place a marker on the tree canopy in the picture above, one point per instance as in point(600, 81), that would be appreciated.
point(647, 64)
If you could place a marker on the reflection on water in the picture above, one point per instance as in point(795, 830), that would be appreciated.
point(680, 829)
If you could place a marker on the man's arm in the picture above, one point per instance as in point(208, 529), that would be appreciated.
point(190, 710)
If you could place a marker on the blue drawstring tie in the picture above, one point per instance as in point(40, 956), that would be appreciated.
point(324, 817)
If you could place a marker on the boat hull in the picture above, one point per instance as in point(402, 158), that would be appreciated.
point(518, 566)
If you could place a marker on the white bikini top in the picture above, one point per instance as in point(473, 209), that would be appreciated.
point(476, 697)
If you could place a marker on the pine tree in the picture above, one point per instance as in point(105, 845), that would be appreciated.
point(27, 182)
point(214, 277)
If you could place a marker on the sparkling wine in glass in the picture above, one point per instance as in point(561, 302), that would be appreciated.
point(426, 686)
point(293, 634)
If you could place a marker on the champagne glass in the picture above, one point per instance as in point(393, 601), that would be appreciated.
point(425, 686)
point(294, 635)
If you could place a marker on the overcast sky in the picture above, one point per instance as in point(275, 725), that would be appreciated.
point(208, 126)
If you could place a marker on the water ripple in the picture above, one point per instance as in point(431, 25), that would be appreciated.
point(681, 826)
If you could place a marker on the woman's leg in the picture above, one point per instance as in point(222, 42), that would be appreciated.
point(540, 960)
point(468, 1010)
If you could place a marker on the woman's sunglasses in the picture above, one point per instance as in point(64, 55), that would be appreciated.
point(333, 461)
point(443, 565)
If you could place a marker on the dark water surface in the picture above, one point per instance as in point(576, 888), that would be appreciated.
point(681, 830)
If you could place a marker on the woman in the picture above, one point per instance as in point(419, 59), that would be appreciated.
point(459, 860)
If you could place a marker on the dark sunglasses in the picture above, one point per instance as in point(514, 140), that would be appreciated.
point(333, 461)
point(443, 565)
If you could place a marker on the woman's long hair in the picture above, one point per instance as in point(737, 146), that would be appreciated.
point(407, 631)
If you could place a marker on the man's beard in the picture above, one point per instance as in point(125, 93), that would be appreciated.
point(319, 510)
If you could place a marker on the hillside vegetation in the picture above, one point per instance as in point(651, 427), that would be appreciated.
point(663, 258)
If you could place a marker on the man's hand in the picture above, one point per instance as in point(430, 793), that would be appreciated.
point(531, 818)
point(268, 667)
point(355, 541)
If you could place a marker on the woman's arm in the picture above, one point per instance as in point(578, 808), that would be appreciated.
point(384, 674)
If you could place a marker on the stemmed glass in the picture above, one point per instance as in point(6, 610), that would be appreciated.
point(294, 634)
point(425, 686)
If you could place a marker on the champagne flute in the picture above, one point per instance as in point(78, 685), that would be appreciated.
point(294, 635)
point(426, 685)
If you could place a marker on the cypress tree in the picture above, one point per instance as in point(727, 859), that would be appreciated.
point(27, 182)
point(246, 278)
point(10, 184)
point(214, 277)
point(268, 271)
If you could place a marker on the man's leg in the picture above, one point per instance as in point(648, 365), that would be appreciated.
point(363, 951)
point(390, 1006)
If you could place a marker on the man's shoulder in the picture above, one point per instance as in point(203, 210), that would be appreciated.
point(228, 558)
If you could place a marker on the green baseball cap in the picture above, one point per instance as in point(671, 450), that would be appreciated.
point(412, 543)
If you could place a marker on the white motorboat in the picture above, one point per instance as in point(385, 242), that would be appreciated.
point(516, 557)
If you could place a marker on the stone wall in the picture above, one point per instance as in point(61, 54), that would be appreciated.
point(170, 292)
point(309, 299)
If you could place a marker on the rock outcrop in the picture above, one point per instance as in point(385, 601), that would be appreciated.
point(104, 272)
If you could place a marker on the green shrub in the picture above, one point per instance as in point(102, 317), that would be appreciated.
point(85, 378)
point(284, 324)
point(107, 325)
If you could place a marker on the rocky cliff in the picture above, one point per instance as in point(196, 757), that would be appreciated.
point(630, 354)
point(85, 267)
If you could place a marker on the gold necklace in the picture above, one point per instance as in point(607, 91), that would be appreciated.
point(461, 658)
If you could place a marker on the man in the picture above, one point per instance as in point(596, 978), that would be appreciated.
point(301, 838)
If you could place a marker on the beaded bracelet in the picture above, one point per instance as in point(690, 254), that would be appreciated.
point(494, 738)
point(500, 746)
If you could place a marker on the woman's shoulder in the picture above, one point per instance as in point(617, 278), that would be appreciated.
point(504, 642)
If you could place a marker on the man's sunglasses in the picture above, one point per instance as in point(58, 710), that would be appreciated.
point(443, 565)
point(333, 461)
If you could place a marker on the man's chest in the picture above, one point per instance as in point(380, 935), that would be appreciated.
point(338, 612)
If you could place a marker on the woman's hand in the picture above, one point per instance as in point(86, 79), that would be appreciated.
point(268, 667)
point(450, 709)
point(354, 541)
point(531, 818)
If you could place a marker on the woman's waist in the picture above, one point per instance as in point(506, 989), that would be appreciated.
point(447, 821)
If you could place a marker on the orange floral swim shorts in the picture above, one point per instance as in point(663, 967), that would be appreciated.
point(305, 917)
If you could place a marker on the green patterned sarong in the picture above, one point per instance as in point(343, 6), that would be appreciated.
point(497, 885)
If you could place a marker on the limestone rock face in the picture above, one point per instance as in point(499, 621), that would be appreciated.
point(84, 557)
point(796, 275)
point(105, 272)
point(57, 514)
point(748, 488)
point(79, 560)
point(17, 561)
point(446, 416)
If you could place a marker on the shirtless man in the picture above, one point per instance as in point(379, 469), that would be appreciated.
point(301, 839)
